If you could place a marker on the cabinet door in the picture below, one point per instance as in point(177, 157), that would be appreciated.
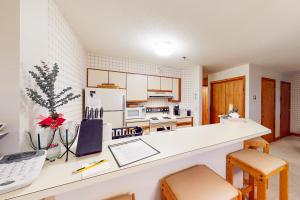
point(144, 125)
point(218, 102)
point(176, 89)
point(166, 83)
point(118, 78)
point(96, 77)
point(136, 88)
point(235, 96)
point(153, 83)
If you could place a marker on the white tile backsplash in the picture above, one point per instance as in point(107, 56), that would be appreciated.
point(65, 49)
point(129, 65)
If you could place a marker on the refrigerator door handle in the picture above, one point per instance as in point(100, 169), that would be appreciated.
point(124, 102)
point(124, 110)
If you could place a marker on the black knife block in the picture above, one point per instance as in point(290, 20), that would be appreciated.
point(90, 137)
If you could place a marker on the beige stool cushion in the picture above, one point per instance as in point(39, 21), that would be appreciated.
point(200, 182)
point(262, 162)
point(121, 197)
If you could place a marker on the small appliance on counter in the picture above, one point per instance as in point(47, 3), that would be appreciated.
point(135, 112)
point(189, 113)
point(176, 110)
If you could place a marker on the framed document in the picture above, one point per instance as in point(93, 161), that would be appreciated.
point(131, 151)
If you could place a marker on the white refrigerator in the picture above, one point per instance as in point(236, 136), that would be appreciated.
point(113, 102)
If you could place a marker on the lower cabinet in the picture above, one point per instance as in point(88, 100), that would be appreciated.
point(145, 125)
point(185, 122)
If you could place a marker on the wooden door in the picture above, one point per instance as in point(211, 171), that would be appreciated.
point(285, 108)
point(268, 106)
point(235, 95)
point(218, 99)
point(204, 105)
point(224, 93)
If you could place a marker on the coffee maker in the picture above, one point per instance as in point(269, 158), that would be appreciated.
point(176, 110)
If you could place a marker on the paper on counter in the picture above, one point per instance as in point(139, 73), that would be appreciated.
point(131, 151)
point(102, 168)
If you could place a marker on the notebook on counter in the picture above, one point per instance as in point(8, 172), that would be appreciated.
point(131, 151)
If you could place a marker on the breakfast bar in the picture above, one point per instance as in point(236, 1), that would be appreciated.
point(178, 149)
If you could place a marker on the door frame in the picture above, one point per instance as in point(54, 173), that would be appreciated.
point(281, 83)
point(274, 117)
point(243, 78)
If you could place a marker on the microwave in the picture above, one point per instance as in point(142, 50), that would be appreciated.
point(135, 113)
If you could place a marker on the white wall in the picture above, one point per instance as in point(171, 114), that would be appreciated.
point(9, 72)
point(254, 75)
point(33, 49)
point(295, 106)
point(191, 77)
point(35, 30)
point(242, 70)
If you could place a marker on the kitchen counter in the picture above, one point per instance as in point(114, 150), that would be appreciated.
point(137, 120)
point(175, 147)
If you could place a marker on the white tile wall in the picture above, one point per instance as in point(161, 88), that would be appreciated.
point(65, 49)
point(295, 107)
point(128, 65)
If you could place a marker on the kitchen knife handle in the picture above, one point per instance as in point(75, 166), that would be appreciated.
point(101, 113)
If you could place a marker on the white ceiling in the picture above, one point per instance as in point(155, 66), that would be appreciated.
point(213, 33)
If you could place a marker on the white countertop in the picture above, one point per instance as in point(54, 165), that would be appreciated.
point(57, 177)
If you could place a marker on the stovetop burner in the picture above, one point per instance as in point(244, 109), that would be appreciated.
point(154, 118)
point(166, 117)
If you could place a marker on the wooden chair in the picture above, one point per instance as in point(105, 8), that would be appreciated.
point(198, 182)
point(259, 166)
point(123, 197)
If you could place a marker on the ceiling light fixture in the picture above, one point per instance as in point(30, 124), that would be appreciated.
point(163, 48)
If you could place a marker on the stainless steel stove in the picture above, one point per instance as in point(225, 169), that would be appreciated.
point(160, 119)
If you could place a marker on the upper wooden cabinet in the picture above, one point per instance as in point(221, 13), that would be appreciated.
point(137, 85)
point(136, 88)
point(118, 78)
point(153, 83)
point(166, 84)
point(176, 89)
point(96, 77)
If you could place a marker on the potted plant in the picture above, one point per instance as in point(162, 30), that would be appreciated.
point(51, 99)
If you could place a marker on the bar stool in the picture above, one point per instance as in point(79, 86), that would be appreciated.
point(255, 143)
point(260, 167)
point(197, 182)
point(122, 197)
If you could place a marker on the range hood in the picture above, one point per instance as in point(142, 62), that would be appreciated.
point(160, 94)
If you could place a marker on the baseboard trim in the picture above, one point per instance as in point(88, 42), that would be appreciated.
point(296, 134)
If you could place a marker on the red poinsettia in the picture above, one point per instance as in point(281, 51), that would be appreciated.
point(54, 121)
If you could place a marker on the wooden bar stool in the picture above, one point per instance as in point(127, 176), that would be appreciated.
point(122, 197)
point(198, 182)
point(260, 167)
point(256, 143)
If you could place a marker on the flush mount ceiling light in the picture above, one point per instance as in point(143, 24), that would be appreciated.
point(163, 48)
